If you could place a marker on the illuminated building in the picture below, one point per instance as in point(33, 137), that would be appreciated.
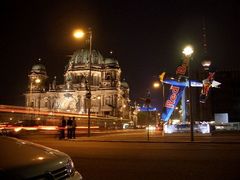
point(110, 95)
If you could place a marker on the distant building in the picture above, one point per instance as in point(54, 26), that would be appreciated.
point(110, 95)
point(226, 99)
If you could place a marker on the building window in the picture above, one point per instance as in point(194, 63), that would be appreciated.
point(108, 100)
point(95, 80)
point(108, 76)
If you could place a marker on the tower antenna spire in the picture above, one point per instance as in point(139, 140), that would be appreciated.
point(206, 61)
point(204, 36)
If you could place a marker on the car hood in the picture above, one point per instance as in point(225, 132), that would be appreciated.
point(25, 159)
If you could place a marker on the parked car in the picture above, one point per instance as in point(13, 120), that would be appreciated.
point(21, 159)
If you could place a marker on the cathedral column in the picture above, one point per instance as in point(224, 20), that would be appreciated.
point(82, 104)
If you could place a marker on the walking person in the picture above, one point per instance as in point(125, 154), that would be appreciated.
point(69, 128)
point(62, 126)
point(74, 125)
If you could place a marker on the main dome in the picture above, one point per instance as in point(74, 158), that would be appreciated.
point(39, 69)
point(81, 57)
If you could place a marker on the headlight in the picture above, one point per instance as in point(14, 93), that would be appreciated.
point(70, 167)
point(151, 128)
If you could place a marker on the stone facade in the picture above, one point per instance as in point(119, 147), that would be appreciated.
point(109, 95)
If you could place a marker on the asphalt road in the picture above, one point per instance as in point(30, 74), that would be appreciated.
point(142, 160)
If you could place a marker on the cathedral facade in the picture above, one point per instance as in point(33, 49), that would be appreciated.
point(101, 77)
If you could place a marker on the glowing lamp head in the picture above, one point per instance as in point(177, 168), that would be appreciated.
point(187, 51)
point(78, 34)
point(37, 81)
point(156, 85)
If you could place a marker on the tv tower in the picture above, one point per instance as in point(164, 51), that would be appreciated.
point(206, 61)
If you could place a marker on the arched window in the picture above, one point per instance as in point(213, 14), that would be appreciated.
point(46, 104)
point(108, 76)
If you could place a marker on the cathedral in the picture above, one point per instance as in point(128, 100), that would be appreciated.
point(109, 96)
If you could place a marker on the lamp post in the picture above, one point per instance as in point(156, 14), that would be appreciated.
point(30, 99)
point(99, 104)
point(148, 102)
point(157, 85)
point(188, 50)
point(36, 81)
point(78, 34)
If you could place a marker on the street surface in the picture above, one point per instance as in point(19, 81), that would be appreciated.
point(130, 155)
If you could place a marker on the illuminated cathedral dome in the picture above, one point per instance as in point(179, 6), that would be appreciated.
point(101, 77)
point(39, 69)
point(81, 58)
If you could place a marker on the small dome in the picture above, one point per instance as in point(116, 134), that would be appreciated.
point(111, 62)
point(124, 84)
point(39, 69)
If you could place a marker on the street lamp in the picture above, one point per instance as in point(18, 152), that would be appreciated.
point(156, 84)
point(38, 81)
point(78, 34)
point(148, 102)
point(188, 50)
point(99, 104)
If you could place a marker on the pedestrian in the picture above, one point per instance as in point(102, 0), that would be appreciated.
point(62, 126)
point(74, 125)
point(69, 128)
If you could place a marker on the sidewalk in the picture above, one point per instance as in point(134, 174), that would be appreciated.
point(140, 136)
point(135, 137)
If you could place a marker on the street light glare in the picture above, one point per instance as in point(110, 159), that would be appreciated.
point(37, 81)
point(78, 33)
point(156, 85)
point(187, 51)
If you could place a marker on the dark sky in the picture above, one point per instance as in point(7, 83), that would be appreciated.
point(146, 36)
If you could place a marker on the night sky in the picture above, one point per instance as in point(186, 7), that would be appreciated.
point(147, 37)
